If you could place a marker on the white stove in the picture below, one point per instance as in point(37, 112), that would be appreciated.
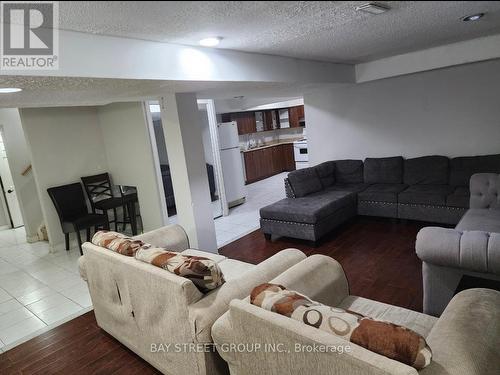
point(301, 154)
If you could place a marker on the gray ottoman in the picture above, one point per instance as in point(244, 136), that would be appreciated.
point(310, 217)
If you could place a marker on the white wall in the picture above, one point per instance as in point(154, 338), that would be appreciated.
point(127, 144)
point(453, 112)
point(19, 157)
point(101, 56)
point(66, 144)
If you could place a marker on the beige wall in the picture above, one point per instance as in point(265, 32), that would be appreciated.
point(70, 142)
point(130, 157)
point(19, 158)
point(450, 112)
point(66, 143)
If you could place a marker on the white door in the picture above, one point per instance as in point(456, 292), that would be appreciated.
point(9, 191)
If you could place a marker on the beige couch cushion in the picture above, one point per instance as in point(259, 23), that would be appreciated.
point(420, 323)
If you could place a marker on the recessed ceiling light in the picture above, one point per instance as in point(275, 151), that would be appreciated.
point(373, 8)
point(473, 17)
point(8, 90)
point(210, 42)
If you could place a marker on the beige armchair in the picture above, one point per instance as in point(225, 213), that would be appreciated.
point(464, 341)
point(163, 317)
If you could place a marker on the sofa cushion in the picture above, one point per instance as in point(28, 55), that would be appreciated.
point(383, 170)
point(480, 219)
point(462, 168)
point(326, 173)
point(310, 209)
point(349, 171)
point(351, 188)
point(385, 338)
point(459, 198)
point(426, 170)
point(425, 194)
point(418, 322)
point(382, 193)
point(304, 181)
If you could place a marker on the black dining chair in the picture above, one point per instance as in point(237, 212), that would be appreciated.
point(103, 198)
point(71, 207)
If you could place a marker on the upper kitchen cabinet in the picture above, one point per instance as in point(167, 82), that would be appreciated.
point(271, 120)
point(296, 116)
point(245, 120)
point(265, 120)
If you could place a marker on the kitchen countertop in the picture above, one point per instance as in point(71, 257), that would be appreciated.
point(272, 144)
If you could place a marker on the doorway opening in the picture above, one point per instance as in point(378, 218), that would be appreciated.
point(212, 161)
point(10, 211)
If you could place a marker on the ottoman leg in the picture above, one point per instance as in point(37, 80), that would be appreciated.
point(268, 236)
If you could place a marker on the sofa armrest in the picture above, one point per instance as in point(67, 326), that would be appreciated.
point(170, 237)
point(206, 311)
point(471, 250)
point(82, 269)
point(465, 339)
point(319, 277)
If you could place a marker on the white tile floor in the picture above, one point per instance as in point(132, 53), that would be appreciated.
point(38, 290)
point(244, 218)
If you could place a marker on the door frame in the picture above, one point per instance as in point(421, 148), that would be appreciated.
point(3, 196)
point(214, 137)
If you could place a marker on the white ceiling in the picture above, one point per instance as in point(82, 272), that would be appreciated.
point(318, 30)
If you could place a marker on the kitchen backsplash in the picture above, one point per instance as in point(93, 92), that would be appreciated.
point(271, 136)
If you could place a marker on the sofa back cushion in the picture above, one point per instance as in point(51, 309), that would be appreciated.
point(426, 170)
point(462, 168)
point(304, 181)
point(348, 171)
point(383, 170)
point(326, 173)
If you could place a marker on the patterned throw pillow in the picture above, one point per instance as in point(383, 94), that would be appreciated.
point(387, 339)
point(117, 242)
point(203, 272)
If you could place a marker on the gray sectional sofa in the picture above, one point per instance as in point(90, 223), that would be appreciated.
point(430, 188)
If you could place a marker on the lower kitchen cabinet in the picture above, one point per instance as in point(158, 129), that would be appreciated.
point(268, 161)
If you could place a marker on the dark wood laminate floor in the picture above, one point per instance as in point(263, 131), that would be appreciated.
point(378, 257)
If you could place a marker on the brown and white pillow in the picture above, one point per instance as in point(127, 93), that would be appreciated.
point(385, 338)
point(203, 272)
point(118, 242)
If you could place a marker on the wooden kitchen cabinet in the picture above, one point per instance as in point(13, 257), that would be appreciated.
point(294, 115)
point(271, 120)
point(268, 161)
point(253, 122)
point(245, 120)
point(289, 157)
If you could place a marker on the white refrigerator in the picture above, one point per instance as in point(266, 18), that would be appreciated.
point(232, 167)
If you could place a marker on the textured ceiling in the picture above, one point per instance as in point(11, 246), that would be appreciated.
point(320, 30)
point(60, 91)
